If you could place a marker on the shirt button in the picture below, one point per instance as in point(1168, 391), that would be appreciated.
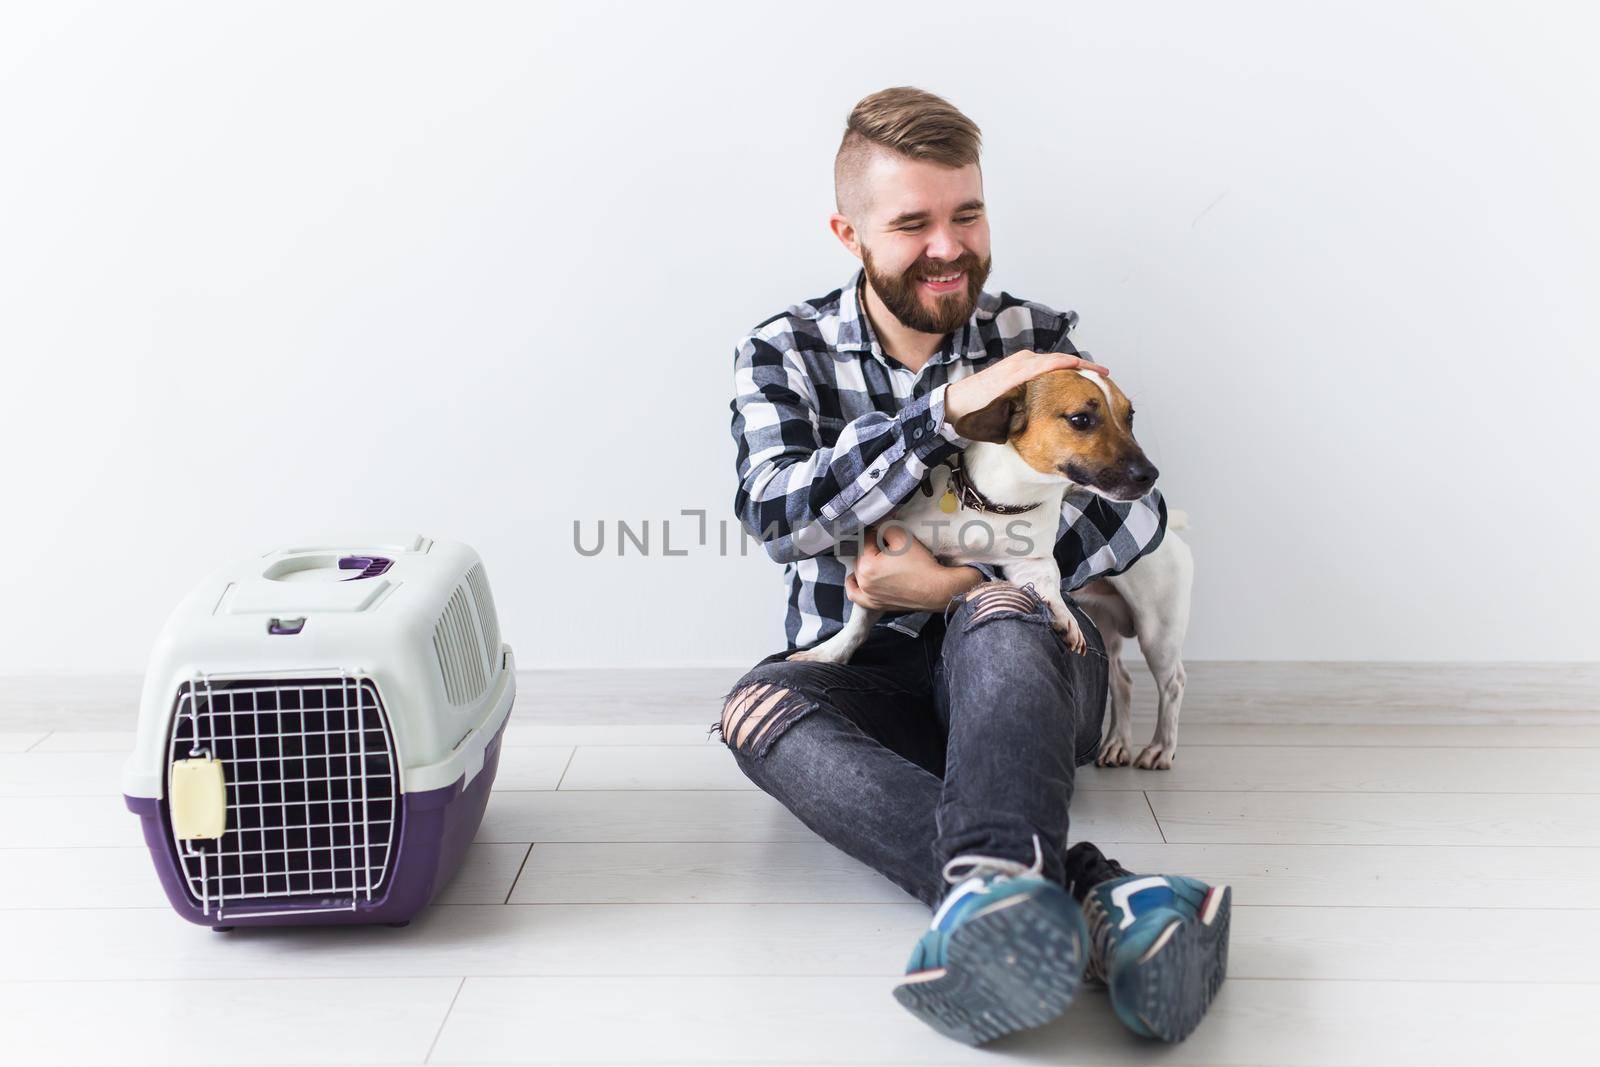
point(874, 473)
point(917, 432)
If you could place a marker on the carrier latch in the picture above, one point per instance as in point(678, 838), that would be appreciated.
point(199, 800)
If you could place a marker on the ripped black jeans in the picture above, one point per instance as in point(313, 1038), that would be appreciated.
point(963, 739)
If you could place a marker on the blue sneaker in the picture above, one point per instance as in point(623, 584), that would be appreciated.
point(1005, 952)
point(1160, 944)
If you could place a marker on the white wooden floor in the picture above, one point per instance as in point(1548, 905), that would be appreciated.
point(1410, 894)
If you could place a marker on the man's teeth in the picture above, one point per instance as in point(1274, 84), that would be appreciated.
point(943, 278)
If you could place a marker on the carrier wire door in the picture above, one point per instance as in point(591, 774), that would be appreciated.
point(311, 791)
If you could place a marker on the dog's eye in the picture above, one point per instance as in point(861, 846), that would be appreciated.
point(1079, 422)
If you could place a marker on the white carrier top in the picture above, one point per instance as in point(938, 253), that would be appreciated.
point(413, 615)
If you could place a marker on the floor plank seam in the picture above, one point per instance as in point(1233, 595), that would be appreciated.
point(437, 1034)
point(564, 769)
point(510, 890)
point(890, 974)
point(35, 747)
point(1082, 788)
point(752, 791)
point(1154, 816)
point(1105, 841)
point(657, 903)
point(1202, 843)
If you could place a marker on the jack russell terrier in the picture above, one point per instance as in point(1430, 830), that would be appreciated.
point(1000, 503)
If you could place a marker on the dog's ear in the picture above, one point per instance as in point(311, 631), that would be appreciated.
point(1004, 416)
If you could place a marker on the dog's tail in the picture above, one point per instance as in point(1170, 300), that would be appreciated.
point(1177, 519)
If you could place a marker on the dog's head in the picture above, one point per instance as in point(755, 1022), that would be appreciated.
point(1071, 423)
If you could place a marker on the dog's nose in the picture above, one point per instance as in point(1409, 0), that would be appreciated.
point(1143, 474)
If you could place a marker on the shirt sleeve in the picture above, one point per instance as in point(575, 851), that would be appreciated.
point(801, 498)
point(1099, 537)
point(1063, 341)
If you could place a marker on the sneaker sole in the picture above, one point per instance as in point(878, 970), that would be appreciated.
point(1165, 994)
point(1010, 969)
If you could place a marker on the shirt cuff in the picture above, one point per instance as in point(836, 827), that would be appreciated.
point(943, 429)
point(990, 572)
point(923, 429)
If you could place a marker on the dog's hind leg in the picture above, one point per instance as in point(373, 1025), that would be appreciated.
point(1170, 679)
point(1117, 748)
point(842, 645)
point(1115, 623)
point(1158, 591)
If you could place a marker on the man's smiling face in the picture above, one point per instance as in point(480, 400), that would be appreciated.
point(923, 236)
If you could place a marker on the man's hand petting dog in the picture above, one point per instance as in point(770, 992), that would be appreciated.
point(977, 391)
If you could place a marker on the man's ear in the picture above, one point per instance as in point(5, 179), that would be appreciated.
point(845, 231)
point(1000, 420)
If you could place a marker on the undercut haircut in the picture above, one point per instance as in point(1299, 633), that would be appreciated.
point(909, 122)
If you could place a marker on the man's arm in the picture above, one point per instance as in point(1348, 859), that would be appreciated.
point(801, 498)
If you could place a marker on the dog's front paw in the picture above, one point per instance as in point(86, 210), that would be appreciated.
point(1066, 624)
point(1115, 752)
point(1156, 757)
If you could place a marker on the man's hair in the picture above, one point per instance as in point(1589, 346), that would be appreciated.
point(909, 122)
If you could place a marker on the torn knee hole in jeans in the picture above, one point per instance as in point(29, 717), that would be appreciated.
point(756, 712)
point(1001, 598)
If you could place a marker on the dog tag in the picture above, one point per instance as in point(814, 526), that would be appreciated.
point(947, 503)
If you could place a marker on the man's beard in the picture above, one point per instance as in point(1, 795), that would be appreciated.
point(902, 293)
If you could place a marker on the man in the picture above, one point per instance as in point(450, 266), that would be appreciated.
point(943, 753)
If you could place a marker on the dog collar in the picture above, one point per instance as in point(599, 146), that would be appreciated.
point(960, 492)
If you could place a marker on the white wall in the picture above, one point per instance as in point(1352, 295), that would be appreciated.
point(478, 271)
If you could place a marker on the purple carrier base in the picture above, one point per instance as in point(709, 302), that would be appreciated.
point(436, 827)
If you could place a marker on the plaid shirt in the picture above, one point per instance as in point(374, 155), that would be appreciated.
point(833, 435)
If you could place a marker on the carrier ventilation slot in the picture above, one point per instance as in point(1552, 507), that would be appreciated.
point(488, 620)
point(460, 649)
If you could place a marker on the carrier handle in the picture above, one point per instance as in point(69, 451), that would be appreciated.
point(369, 566)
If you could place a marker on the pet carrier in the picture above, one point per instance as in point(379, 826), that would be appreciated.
point(318, 733)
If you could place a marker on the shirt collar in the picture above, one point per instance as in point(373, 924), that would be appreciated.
point(856, 333)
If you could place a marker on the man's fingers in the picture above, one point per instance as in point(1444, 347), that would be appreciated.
point(977, 391)
point(1065, 361)
point(852, 591)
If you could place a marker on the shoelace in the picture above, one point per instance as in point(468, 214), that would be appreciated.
point(970, 864)
point(1095, 915)
point(1099, 923)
